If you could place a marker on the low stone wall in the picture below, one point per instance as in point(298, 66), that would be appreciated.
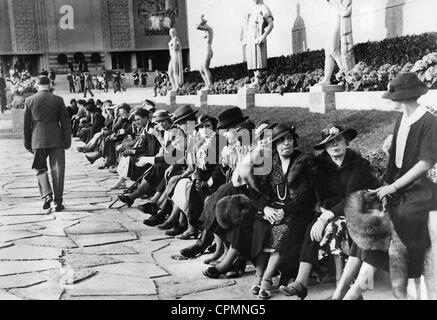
point(371, 100)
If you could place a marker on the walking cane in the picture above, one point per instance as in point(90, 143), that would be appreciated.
point(131, 188)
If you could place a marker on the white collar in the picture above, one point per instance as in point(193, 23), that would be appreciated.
point(415, 116)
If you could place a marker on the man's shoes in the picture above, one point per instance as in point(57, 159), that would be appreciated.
point(125, 199)
point(168, 225)
point(60, 207)
point(149, 208)
point(47, 202)
point(119, 186)
point(189, 234)
point(93, 156)
point(176, 231)
point(156, 220)
point(84, 149)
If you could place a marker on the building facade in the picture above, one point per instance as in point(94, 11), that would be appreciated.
point(110, 34)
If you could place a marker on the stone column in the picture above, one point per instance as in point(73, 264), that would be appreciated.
point(322, 98)
point(133, 60)
point(202, 99)
point(246, 98)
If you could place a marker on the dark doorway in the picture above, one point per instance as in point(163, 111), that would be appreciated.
point(121, 61)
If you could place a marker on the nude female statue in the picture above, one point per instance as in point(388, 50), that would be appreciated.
point(260, 25)
point(175, 67)
point(209, 36)
point(340, 41)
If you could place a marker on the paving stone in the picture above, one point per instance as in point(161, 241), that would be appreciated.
point(8, 236)
point(49, 241)
point(86, 201)
point(22, 253)
point(100, 239)
point(71, 215)
point(111, 249)
point(136, 258)
point(22, 185)
point(112, 285)
point(85, 195)
point(20, 281)
point(134, 213)
point(115, 298)
point(24, 211)
point(178, 288)
point(25, 219)
point(109, 216)
point(139, 270)
point(77, 275)
point(80, 261)
point(55, 228)
point(95, 227)
point(22, 227)
point(44, 291)
point(18, 267)
point(5, 296)
point(5, 245)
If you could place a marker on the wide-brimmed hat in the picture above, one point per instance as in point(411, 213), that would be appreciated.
point(183, 113)
point(405, 86)
point(231, 118)
point(204, 119)
point(161, 115)
point(126, 107)
point(149, 105)
point(330, 134)
point(367, 222)
point(235, 211)
point(282, 131)
point(259, 131)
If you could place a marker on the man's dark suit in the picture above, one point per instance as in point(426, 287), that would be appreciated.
point(47, 133)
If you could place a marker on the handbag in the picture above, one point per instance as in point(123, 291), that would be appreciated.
point(409, 212)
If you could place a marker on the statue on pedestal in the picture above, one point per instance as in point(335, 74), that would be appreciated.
point(259, 26)
point(209, 36)
point(340, 40)
point(175, 67)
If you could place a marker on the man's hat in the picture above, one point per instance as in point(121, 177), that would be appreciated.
point(235, 211)
point(44, 81)
point(231, 118)
point(405, 86)
point(183, 113)
point(331, 134)
point(161, 115)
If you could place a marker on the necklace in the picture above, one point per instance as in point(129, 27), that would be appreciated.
point(282, 198)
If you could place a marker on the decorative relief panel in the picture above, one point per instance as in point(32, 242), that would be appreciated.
point(26, 27)
point(119, 24)
point(157, 16)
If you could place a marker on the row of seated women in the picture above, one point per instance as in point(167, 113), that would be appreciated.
point(248, 194)
point(252, 193)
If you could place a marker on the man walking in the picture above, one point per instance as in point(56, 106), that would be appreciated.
point(47, 133)
point(88, 85)
point(158, 81)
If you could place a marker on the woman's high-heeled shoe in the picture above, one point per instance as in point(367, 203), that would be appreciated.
point(238, 269)
point(265, 294)
point(211, 273)
point(256, 287)
point(295, 289)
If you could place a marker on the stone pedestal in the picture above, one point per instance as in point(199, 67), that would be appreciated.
point(246, 97)
point(171, 98)
point(322, 98)
point(202, 98)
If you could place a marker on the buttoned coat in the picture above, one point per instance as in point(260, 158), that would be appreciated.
point(46, 122)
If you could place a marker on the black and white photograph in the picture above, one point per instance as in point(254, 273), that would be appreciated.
point(220, 151)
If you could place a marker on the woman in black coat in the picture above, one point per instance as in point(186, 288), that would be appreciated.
point(285, 202)
point(340, 172)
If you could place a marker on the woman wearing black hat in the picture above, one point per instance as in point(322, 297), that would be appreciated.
point(409, 194)
point(340, 172)
point(285, 200)
point(232, 124)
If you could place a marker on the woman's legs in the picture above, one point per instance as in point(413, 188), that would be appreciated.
point(227, 262)
point(367, 272)
point(304, 273)
point(220, 249)
point(261, 265)
point(351, 270)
